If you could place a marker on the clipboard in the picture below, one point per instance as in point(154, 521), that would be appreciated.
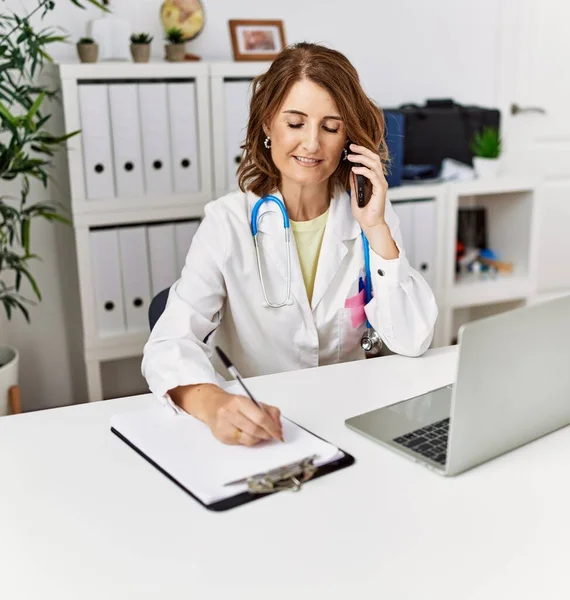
point(289, 477)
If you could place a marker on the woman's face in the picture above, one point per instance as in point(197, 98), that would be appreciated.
point(307, 135)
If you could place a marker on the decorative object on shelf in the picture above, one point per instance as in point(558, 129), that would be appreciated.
point(27, 149)
point(175, 49)
point(185, 15)
point(112, 34)
point(486, 148)
point(256, 40)
point(87, 50)
point(9, 392)
point(140, 47)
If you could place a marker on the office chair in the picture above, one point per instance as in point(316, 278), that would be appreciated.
point(157, 306)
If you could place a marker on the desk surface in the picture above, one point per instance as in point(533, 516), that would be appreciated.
point(83, 517)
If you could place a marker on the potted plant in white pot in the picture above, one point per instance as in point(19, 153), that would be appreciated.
point(26, 152)
point(486, 148)
point(140, 47)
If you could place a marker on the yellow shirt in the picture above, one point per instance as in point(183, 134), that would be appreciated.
point(309, 237)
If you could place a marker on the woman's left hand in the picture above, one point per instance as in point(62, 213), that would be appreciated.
point(371, 217)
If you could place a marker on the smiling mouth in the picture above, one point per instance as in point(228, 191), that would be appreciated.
point(307, 161)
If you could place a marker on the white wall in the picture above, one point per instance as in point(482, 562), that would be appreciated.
point(405, 51)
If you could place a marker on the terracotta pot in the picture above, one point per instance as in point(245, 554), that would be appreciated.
point(88, 53)
point(175, 52)
point(8, 375)
point(140, 52)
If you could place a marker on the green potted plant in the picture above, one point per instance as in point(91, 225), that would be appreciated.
point(140, 47)
point(27, 149)
point(486, 148)
point(88, 50)
point(175, 48)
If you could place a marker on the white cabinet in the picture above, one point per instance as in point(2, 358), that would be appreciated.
point(418, 225)
point(139, 176)
point(553, 241)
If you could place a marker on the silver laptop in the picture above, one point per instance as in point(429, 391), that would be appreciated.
point(512, 386)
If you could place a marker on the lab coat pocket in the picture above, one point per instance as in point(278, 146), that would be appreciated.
point(352, 323)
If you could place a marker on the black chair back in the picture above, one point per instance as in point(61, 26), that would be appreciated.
point(157, 307)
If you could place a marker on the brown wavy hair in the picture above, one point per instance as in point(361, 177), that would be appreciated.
point(363, 119)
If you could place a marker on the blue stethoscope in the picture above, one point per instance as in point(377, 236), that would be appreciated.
point(370, 339)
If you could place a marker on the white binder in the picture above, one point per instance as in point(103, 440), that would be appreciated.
point(155, 137)
point(405, 212)
point(107, 281)
point(183, 234)
point(162, 257)
point(183, 136)
point(135, 276)
point(236, 105)
point(424, 239)
point(96, 140)
point(126, 137)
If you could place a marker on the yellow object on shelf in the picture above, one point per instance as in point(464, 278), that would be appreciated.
point(186, 15)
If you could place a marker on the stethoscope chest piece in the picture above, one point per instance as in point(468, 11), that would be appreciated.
point(371, 341)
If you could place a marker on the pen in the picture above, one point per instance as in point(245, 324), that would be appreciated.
point(235, 374)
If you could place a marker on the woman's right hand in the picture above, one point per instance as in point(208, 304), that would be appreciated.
point(233, 419)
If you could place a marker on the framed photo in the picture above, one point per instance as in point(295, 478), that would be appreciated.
point(257, 40)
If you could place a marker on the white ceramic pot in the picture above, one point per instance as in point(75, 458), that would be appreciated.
point(9, 359)
point(486, 167)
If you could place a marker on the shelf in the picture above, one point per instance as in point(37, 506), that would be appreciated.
point(117, 346)
point(112, 212)
point(471, 290)
point(491, 186)
point(155, 69)
point(414, 191)
point(227, 70)
point(476, 187)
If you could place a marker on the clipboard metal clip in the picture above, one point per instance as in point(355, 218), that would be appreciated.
point(288, 477)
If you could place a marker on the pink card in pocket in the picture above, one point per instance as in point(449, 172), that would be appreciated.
point(356, 306)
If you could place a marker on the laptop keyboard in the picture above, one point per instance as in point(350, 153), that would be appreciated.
point(429, 441)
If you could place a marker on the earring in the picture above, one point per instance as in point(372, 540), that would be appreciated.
point(267, 143)
point(344, 154)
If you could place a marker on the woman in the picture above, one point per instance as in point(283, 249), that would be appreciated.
point(310, 124)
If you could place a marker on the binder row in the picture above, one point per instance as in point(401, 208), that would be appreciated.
point(237, 95)
point(130, 266)
point(418, 226)
point(139, 138)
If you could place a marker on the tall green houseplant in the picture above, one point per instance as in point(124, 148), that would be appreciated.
point(27, 147)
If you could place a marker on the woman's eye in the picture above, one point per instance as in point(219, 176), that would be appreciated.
point(330, 130)
point(295, 125)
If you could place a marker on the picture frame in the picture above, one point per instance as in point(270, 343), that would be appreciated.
point(256, 39)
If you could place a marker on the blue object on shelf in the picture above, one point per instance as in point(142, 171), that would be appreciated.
point(395, 129)
point(489, 254)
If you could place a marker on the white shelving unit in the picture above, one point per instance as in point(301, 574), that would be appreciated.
point(89, 214)
point(510, 205)
point(220, 106)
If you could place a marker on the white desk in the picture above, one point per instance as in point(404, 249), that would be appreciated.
point(83, 517)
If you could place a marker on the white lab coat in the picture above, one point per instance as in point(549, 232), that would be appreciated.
point(219, 291)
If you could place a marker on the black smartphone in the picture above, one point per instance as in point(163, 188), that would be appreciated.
point(360, 191)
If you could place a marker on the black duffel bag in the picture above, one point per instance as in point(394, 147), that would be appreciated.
point(443, 129)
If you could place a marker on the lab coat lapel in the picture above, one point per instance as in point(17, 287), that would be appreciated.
point(341, 227)
point(271, 239)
